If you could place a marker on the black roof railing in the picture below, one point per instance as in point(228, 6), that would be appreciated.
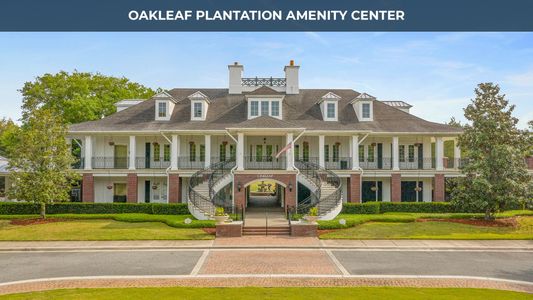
point(260, 81)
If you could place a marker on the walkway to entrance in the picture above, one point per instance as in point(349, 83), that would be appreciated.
point(263, 216)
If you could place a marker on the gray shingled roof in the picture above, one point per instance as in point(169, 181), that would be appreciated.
point(230, 111)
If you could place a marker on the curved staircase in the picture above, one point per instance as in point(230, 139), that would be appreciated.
point(205, 185)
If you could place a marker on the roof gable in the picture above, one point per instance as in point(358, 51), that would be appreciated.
point(199, 96)
point(164, 96)
point(264, 91)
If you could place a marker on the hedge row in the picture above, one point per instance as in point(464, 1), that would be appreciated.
point(21, 208)
point(383, 207)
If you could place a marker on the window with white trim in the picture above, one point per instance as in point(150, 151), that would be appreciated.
point(162, 110)
point(274, 108)
point(254, 108)
point(198, 113)
point(330, 110)
point(401, 154)
point(366, 110)
point(264, 108)
point(411, 153)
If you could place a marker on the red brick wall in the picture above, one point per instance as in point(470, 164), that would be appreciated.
point(529, 161)
point(132, 188)
point(354, 188)
point(174, 191)
point(396, 187)
point(438, 190)
point(87, 186)
point(244, 179)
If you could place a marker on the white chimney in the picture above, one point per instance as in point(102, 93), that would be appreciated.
point(291, 78)
point(235, 78)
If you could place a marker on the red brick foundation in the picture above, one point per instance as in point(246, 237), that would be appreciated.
point(229, 230)
point(354, 188)
point(132, 188)
point(439, 188)
point(304, 230)
point(244, 179)
point(174, 191)
point(87, 187)
point(396, 187)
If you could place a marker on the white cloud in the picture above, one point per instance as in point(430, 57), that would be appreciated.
point(317, 37)
point(521, 80)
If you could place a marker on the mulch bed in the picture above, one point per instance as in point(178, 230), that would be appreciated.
point(507, 222)
point(25, 222)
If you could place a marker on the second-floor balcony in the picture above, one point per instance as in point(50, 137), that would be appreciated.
point(265, 162)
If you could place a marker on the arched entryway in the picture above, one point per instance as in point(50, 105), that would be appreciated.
point(283, 187)
point(265, 193)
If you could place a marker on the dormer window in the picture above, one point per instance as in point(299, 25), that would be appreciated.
point(199, 105)
point(264, 107)
point(162, 109)
point(330, 110)
point(164, 105)
point(197, 109)
point(366, 110)
point(329, 106)
point(364, 107)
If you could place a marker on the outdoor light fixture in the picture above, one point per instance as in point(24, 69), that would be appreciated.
point(111, 143)
point(373, 188)
point(109, 186)
point(290, 186)
point(239, 186)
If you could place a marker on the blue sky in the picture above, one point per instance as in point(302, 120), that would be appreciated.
point(435, 72)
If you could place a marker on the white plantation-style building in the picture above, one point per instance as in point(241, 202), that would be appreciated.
point(311, 147)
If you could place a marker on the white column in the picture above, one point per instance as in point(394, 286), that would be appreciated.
point(174, 153)
point(439, 153)
point(240, 151)
point(88, 152)
point(427, 153)
point(456, 154)
point(355, 152)
point(133, 153)
point(207, 150)
point(321, 158)
point(290, 160)
point(395, 154)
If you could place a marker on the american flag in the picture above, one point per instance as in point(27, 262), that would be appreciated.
point(284, 149)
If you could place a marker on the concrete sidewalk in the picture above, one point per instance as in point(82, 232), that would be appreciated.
point(273, 242)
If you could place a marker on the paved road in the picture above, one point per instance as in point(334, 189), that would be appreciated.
point(503, 265)
point(32, 265)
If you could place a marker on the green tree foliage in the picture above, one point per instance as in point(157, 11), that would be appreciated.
point(79, 96)
point(8, 136)
point(41, 167)
point(496, 175)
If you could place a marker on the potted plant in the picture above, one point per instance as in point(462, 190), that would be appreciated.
point(312, 215)
point(220, 215)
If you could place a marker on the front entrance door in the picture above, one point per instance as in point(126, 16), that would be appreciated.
point(121, 157)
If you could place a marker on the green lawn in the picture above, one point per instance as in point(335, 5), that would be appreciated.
point(93, 227)
point(403, 229)
point(305, 293)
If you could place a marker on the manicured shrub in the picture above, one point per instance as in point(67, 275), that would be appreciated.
point(361, 208)
point(417, 207)
point(23, 208)
point(18, 208)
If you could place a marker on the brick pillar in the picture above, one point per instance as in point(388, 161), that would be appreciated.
point(348, 189)
point(396, 187)
point(355, 188)
point(239, 197)
point(290, 196)
point(439, 190)
point(132, 188)
point(174, 191)
point(87, 187)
